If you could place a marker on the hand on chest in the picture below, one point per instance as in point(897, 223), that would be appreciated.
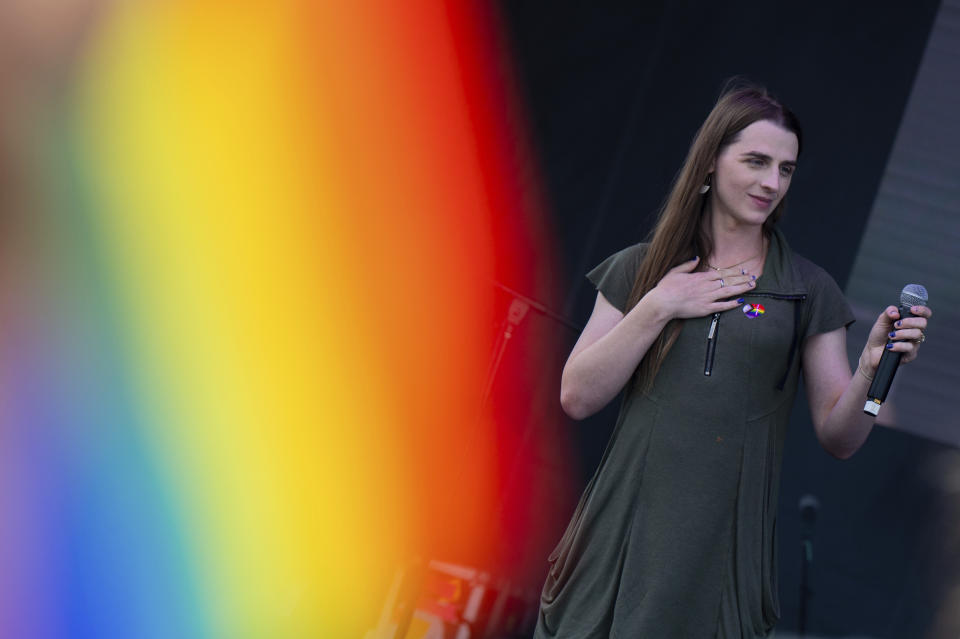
point(757, 337)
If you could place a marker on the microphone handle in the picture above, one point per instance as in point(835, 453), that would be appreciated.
point(883, 378)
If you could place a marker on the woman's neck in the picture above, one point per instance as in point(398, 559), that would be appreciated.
point(736, 243)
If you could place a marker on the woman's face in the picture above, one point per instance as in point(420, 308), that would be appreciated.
point(751, 175)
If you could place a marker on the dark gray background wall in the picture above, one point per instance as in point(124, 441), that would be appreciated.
point(614, 94)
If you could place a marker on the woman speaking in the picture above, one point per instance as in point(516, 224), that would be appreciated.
point(707, 327)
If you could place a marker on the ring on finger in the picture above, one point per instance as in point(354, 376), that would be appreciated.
point(721, 283)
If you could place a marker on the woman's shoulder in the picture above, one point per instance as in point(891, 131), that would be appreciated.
point(632, 254)
point(625, 262)
point(827, 308)
point(813, 275)
point(615, 275)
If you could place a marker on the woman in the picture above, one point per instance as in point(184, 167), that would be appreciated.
point(708, 326)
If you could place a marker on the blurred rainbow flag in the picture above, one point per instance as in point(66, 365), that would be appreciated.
point(243, 361)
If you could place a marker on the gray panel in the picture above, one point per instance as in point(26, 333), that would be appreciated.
point(913, 236)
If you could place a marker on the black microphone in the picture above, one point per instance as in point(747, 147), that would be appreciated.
point(912, 295)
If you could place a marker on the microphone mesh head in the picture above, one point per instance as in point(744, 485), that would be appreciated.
point(913, 295)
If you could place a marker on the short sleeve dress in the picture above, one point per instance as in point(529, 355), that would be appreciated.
point(674, 535)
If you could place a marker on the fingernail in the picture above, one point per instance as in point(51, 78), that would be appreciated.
point(889, 346)
point(753, 277)
point(892, 334)
point(898, 323)
point(740, 301)
point(695, 258)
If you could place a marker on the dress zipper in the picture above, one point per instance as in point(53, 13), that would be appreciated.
point(711, 344)
point(775, 296)
point(712, 334)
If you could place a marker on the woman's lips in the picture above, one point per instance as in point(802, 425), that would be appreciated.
point(762, 202)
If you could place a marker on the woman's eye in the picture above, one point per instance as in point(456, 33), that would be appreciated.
point(755, 162)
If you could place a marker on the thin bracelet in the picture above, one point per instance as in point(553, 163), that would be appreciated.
point(860, 369)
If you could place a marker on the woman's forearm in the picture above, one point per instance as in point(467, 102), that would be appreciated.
point(846, 426)
point(595, 375)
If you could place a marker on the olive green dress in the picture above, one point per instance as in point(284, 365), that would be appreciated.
point(674, 536)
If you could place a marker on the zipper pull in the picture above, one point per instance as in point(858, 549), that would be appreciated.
point(711, 345)
point(713, 326)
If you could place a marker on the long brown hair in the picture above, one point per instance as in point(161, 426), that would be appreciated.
point(680, 233)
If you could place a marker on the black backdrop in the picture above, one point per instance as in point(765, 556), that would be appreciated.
point(613, 95)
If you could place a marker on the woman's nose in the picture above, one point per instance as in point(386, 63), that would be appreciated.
point(771, 181)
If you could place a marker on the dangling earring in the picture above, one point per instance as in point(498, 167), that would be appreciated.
point(706, 185)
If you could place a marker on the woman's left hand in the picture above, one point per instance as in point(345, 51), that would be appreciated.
point(907, 335)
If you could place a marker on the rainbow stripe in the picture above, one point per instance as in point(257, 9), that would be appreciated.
point(262, 320)
point(753, 310)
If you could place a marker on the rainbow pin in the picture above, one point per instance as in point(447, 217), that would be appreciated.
point(753, 310)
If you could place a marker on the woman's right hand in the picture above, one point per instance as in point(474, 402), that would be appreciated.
point(681, 293)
